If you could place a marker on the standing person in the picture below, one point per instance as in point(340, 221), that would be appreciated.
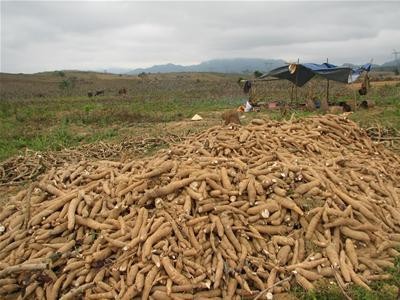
point(247, 90)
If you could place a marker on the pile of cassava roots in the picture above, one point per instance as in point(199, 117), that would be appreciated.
point(235, 212)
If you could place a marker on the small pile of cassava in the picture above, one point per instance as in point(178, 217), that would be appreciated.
point(235, 212)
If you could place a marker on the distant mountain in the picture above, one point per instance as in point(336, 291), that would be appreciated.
point(235, 65)
point(115, 70)
point(390, 64)
point(349, 65)
point(238, 65)
point(354, 66)
point(167, 68)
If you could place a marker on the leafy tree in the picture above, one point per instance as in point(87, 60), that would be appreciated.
point(257, 73)
point(67, 85)
point(60, 73)
point(142, 75)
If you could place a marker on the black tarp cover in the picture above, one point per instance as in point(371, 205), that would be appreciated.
point(300, 74)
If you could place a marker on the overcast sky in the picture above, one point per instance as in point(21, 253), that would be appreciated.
point(38, 36)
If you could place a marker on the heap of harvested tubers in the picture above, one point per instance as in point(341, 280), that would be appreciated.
point(235, 212)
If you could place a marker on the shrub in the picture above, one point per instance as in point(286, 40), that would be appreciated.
point(257, 74)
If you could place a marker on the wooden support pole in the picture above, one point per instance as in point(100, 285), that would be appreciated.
point(327, 90)
point(297, 68)
point(327, 87)
point(291, 94)
point(355, 99)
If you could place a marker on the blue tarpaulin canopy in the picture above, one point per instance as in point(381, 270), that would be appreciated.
point(300, 74)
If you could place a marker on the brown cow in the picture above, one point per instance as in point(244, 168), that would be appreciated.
point(363, 90)
point(99, 92)
point(122, 91)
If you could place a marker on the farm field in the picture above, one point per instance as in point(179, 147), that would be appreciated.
point(38, 113)
point(48, 125)
point(57, 120)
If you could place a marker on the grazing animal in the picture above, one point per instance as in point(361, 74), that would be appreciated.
point(362, 91)
point(122, 91)
point(231, 116)
point(100, 92)
point(346, 107)
point(367, 104)
point(90, 94)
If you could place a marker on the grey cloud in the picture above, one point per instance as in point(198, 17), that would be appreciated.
point(40, 36)
point(248, 38)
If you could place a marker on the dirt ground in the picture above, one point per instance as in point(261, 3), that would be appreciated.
point(356, 86)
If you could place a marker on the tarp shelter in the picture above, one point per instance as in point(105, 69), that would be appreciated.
point(300, 74)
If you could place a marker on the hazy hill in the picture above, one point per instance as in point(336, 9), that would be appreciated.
point(391, 63)
point(167, 68)
point(235, 65)
point(354, 66)
point(226, 66)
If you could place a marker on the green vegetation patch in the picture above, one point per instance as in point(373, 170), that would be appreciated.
point(380, 290)
point(53, 124)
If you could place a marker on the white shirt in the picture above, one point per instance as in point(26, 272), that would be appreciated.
point(248, 107)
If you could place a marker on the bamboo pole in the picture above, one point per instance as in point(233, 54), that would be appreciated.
point(298, 61)
point(355, 99)
point(327, 86)
point(291, 94)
